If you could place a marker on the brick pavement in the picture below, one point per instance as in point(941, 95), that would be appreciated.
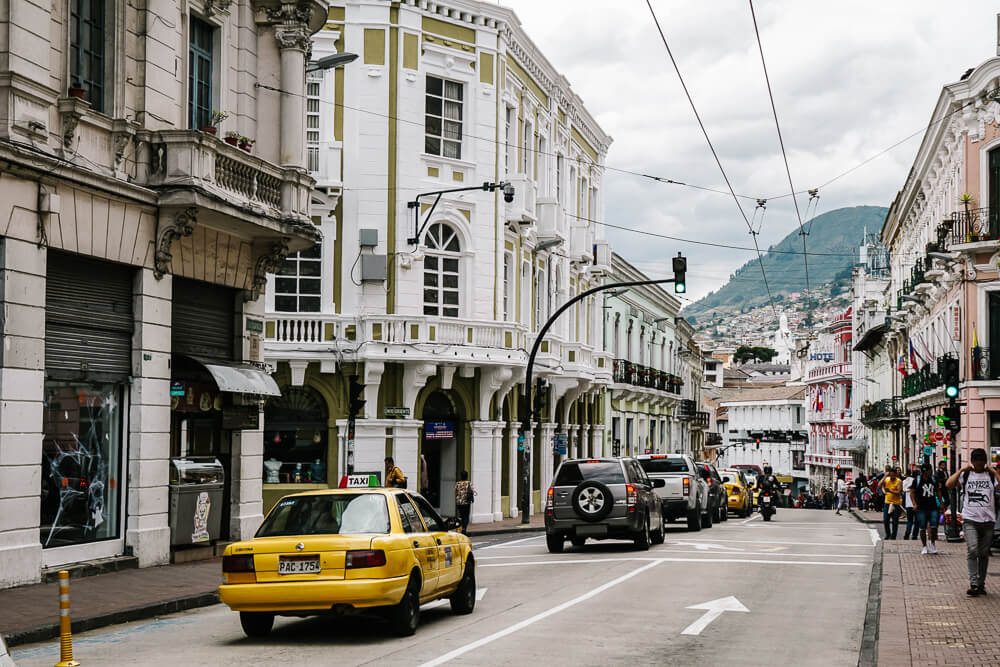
point(926, 617)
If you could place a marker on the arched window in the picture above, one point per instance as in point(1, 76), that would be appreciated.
point(441, 271)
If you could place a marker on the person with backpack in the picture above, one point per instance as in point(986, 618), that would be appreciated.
point(926, 496)
point(464, 495)
point(977, 483)
point(394, 477)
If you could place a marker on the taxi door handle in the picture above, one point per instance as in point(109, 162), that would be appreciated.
point(439, 540)
point(415, 543)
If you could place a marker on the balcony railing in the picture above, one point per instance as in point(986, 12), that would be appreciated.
point(982, 366)
point(687, 410)
point(917, 273)
point(700, 420)
point(974, 225)
point(830, 370)
point(883, 410)
point(626, 372)
point(925, 379)
point(713, 439)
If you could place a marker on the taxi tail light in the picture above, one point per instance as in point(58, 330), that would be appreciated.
point(549, 501)
point(237, 564)
point(687, 486)
point(364, 558)
point(631, 497)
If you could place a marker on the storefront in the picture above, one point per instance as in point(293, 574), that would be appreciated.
point(296, 444)
point(88, 348)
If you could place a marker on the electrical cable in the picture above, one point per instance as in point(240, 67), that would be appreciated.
point(718, 162)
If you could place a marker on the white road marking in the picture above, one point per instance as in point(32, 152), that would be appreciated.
point(675, 560)
point(765, 552)
point(480, 592)
point(874, 535)
point(713, 610)
point(462, 650)
point(804, 544)
point(746, 521)
point(705, 546)
point(512, 542)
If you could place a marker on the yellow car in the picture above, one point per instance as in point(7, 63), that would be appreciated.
point(348, 549)
point(738, 492)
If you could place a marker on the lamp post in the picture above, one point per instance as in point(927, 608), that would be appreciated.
point(505, 187)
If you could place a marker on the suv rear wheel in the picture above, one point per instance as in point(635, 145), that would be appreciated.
point(660, 535)
point(694, 519)
point(706, 519)
point(641, 539)
point(554, 542)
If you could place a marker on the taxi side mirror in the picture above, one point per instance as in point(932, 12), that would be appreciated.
point(725, 479)
point(453, 523)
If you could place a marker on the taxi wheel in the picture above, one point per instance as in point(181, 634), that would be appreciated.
point(256, 623)
point(463, 601)
point(405, 616)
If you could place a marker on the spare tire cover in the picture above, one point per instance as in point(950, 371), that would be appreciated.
point(592, 500)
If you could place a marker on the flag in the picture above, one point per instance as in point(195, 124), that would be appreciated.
point(975, 338)
point(819, 399)
point(901, 366)
point(913, 357)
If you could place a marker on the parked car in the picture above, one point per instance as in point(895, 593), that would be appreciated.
point(737, 491)
point(716, 491)
point(685, 494)
point(608, 498)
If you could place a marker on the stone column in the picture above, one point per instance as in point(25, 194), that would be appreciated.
point(369, 447)
point(597, 445)
point(513, 457)
point(481, 470)
point(22, 391)
point(405, 440)
point(545, 451)
point(147, 530)
point(246, 491)
point(293, 42)
point(574, 441)
point(497, 470)
point(583, 442)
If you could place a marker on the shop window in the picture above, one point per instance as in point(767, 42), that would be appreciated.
point(298, 282)
point(295, 437)
point(81, 463)
point(441, 274)
point(443, 122)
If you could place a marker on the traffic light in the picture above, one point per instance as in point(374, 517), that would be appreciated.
point(356, 404)
point(757, 438)
point(680, 269)
point(953, 416)
point(541, 399)
point(949, 375)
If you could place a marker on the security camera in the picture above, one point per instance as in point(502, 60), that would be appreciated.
point(508, 193)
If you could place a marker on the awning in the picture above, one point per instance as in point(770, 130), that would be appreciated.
point(241, 378)
point(852, 446)
point(871, 338)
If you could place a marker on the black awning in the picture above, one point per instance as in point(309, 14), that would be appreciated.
point(871, 338)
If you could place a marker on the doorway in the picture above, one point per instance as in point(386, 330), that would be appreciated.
point(439, 448)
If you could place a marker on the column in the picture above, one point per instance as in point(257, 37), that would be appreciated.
point(513, 457)
point(405, 441)
point(147, 530)
point(545, 451)
point(597, 447)
point(369, 447)
point(583, 447)
point(293, 42)
point(481, 471)
point(246, 491)
point(574, 441)
point(497, 510)
point(22, 385)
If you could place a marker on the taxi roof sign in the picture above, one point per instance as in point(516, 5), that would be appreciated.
point(360, 480)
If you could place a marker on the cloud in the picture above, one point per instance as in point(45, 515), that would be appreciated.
point(849, 78)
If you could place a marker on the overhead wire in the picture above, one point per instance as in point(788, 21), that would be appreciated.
point(718, 162)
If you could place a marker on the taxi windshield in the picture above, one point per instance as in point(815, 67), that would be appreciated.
point(328, 514)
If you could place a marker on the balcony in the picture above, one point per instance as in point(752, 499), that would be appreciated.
point(925, 379)
point(882, 411)
point(552, 220)
point(982, 368)
point(700, 420)
point(626, 372)
point(829, 415)
point(974, 225)
point(713, 439)
point(830, 371)
point(687, 410)
point(522, 209)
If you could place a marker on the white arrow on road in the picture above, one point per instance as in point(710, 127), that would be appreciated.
point(705, 546)
point(713, 610)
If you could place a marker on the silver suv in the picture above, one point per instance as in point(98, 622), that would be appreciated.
point(603, 499)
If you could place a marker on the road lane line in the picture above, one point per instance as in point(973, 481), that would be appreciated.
point(706, 559)
point(512, 542)
point(746, 521)
point(804, 544)
point(462, 650)
point(695, 551)
point(874, 535)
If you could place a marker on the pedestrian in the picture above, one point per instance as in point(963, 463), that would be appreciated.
point(941, 475)
point(464, 495)
point(926, 496)
point(841, 492)
point(425, 479)
point(394, 477)
point(978, 484)
point(860, 484)
point(892, 507)
point(911, 511)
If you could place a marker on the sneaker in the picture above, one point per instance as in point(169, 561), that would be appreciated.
point(982, 590)
point(923, 552)
point(932, 548)
point(972, 592)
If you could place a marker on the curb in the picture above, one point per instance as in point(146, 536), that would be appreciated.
point(862, 519)
point(5, 659)
point(142, 612)
point(868, 654)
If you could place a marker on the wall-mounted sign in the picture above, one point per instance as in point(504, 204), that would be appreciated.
point(397, 412)
point(254, 347)
point(255, 326)
point(821, 356)
point(439, 430)
point(559, 444)
point(241, 417)
point(176, 388)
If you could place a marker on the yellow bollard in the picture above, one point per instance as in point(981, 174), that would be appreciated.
point(65, 634)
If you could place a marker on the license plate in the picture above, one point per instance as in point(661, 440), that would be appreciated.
point(298, 565)
point(591, 531)
point(767, 500)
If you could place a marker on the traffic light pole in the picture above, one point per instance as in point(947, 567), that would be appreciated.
point(524, 436)
point(951, 533)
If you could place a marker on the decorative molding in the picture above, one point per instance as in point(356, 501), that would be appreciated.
point(71, 110)
point(213, 7)
point(182, 225)
point(268, 262)
point(122, 133)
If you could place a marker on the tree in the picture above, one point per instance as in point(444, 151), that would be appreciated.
point(745, 353)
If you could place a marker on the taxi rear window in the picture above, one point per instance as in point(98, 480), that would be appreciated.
point(333, 514)
point(663, 465)
point(608, 472)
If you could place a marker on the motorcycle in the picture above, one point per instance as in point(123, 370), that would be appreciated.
point(766, 505)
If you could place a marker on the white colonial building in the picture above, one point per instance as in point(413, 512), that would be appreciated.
point(765, 426)
point(434, 303)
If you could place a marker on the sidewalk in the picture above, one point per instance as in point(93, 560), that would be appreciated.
point(31, 613)
point(926, 617)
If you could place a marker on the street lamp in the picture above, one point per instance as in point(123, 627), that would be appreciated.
point(329, 62)
point(503, 186)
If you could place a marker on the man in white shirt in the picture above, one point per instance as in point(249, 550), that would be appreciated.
point(978, 483)
point(911, 511)
point(841, 492)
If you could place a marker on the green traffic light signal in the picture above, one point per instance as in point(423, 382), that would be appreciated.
point(680, 288)
point(951, 391)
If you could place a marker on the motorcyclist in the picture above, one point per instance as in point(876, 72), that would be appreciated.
point(768, 483)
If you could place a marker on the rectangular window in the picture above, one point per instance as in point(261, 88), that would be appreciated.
point(86, 49)
point(507, 259)
point(443, 120)
point(312, 122)
point(297, 283)
point(527, 149)
point(509, 137)
point(559, 178)
point(200, 53)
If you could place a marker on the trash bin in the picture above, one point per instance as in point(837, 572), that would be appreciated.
point(196, 499)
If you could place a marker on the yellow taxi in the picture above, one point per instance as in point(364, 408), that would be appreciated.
point(737, 491)
point(348, 549)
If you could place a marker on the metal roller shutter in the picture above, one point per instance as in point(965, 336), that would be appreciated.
point(203, 320)
point(88, 319)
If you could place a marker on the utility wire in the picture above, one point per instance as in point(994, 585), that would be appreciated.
point(781, 142)
point(736, 199)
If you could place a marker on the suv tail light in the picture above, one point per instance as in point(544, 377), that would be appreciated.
point(237, 564)
point(549, 501)
point(687, 486)
point(631, 497)
point(364, 558)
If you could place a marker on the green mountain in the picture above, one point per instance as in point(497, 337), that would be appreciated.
point(839, 232)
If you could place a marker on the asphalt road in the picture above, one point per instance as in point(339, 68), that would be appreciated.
point(803, 580)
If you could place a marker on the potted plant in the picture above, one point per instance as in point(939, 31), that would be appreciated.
point(77, 91)
point(246, 143)
point(214, 122)
point(232, 138)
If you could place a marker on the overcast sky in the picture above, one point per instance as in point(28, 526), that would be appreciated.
point(850, 78)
